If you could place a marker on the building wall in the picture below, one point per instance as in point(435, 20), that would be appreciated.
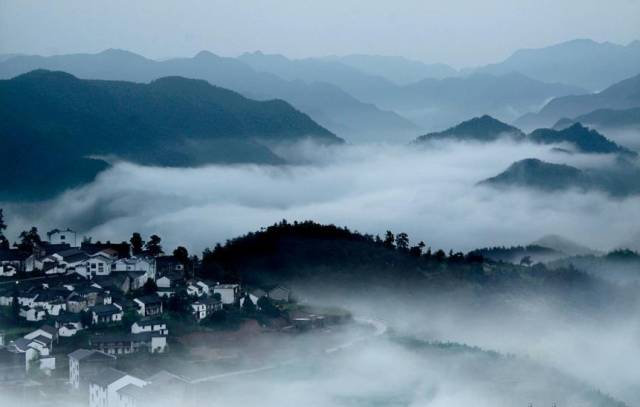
point(74, 373)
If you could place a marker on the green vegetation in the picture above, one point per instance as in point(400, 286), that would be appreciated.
point(172, 121)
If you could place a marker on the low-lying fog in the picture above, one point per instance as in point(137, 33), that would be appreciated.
point(429, 193)
point(576, 358)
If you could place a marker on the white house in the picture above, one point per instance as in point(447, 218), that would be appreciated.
point(33, 314)
point(57, 236)
point(37, 347)
point(103, 388)
point(202, 308)
point(7, 270)
point(124, 344)
point(149, 305)
point(164, 389)
point(150, 325)
point(198, 288)
point(106, 313)
point(168, 283)
point(62, 261)
point(146, 264)
point(98, 264)
point(229, 293)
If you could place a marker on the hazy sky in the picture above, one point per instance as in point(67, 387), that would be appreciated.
point(458, 32)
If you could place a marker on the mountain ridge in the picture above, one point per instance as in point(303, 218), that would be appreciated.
point(171, 121)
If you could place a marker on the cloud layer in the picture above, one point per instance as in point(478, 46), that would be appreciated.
point(429, 193)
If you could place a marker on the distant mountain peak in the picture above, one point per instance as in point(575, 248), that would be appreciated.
point(564, 245)
point(586, 140)
point(121, 53)
point(46, 75)
point(204, 54)
point(482, 128)
point(535, 173)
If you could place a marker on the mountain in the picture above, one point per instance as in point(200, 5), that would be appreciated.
point(431, 103)
point(534, 173)
point(436, 104)
point(51, 121)
point(622, 95)
point(400, 70)
point(516, 254)
point(583, 138)
point(484, 128)
point(327, 104)
point(584, 63)
point(563, 245)
point(327, 258)
point(620, 180)
point(605, 119)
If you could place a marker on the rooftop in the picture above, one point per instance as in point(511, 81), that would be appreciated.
point(107, 376)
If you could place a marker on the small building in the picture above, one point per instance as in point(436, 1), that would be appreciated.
point(229, 293)
point(169, 283)
point(168, 264)
point(280, 294)
point(124, 344)
point(163, 389)
point(76, 303)
point(103, 387)
point(123, 249)
point(106, 314)
point(149, 305)
point(68, 236)
point(12, 261)
point(85, 364)
point(202, 308)
point(150, 325)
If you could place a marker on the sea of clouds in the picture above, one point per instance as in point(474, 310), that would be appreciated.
point(429, 192)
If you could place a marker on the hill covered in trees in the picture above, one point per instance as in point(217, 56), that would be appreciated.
point(51, 122)
point(328, 256)
point(623, 179)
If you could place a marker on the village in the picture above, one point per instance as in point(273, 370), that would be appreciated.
point(81, 317)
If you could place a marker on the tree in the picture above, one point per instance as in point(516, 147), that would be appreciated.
point(402, 242)
point(416, 251)
point(182, 255)
point(267, 307)
point(153, 245)
point(526, 261)
point(129, 318)
point(29, 239)
point(136, 244)
point(440, 255)
point(248, 307)
point(389, 240)
point(149, 287)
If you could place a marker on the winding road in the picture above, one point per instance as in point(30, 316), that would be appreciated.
point(380, 328)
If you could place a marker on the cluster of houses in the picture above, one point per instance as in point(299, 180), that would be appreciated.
point(69, 287)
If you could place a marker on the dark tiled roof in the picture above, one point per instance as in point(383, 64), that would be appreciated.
point(150, 322)
point(105, 309)
point(107, 376)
